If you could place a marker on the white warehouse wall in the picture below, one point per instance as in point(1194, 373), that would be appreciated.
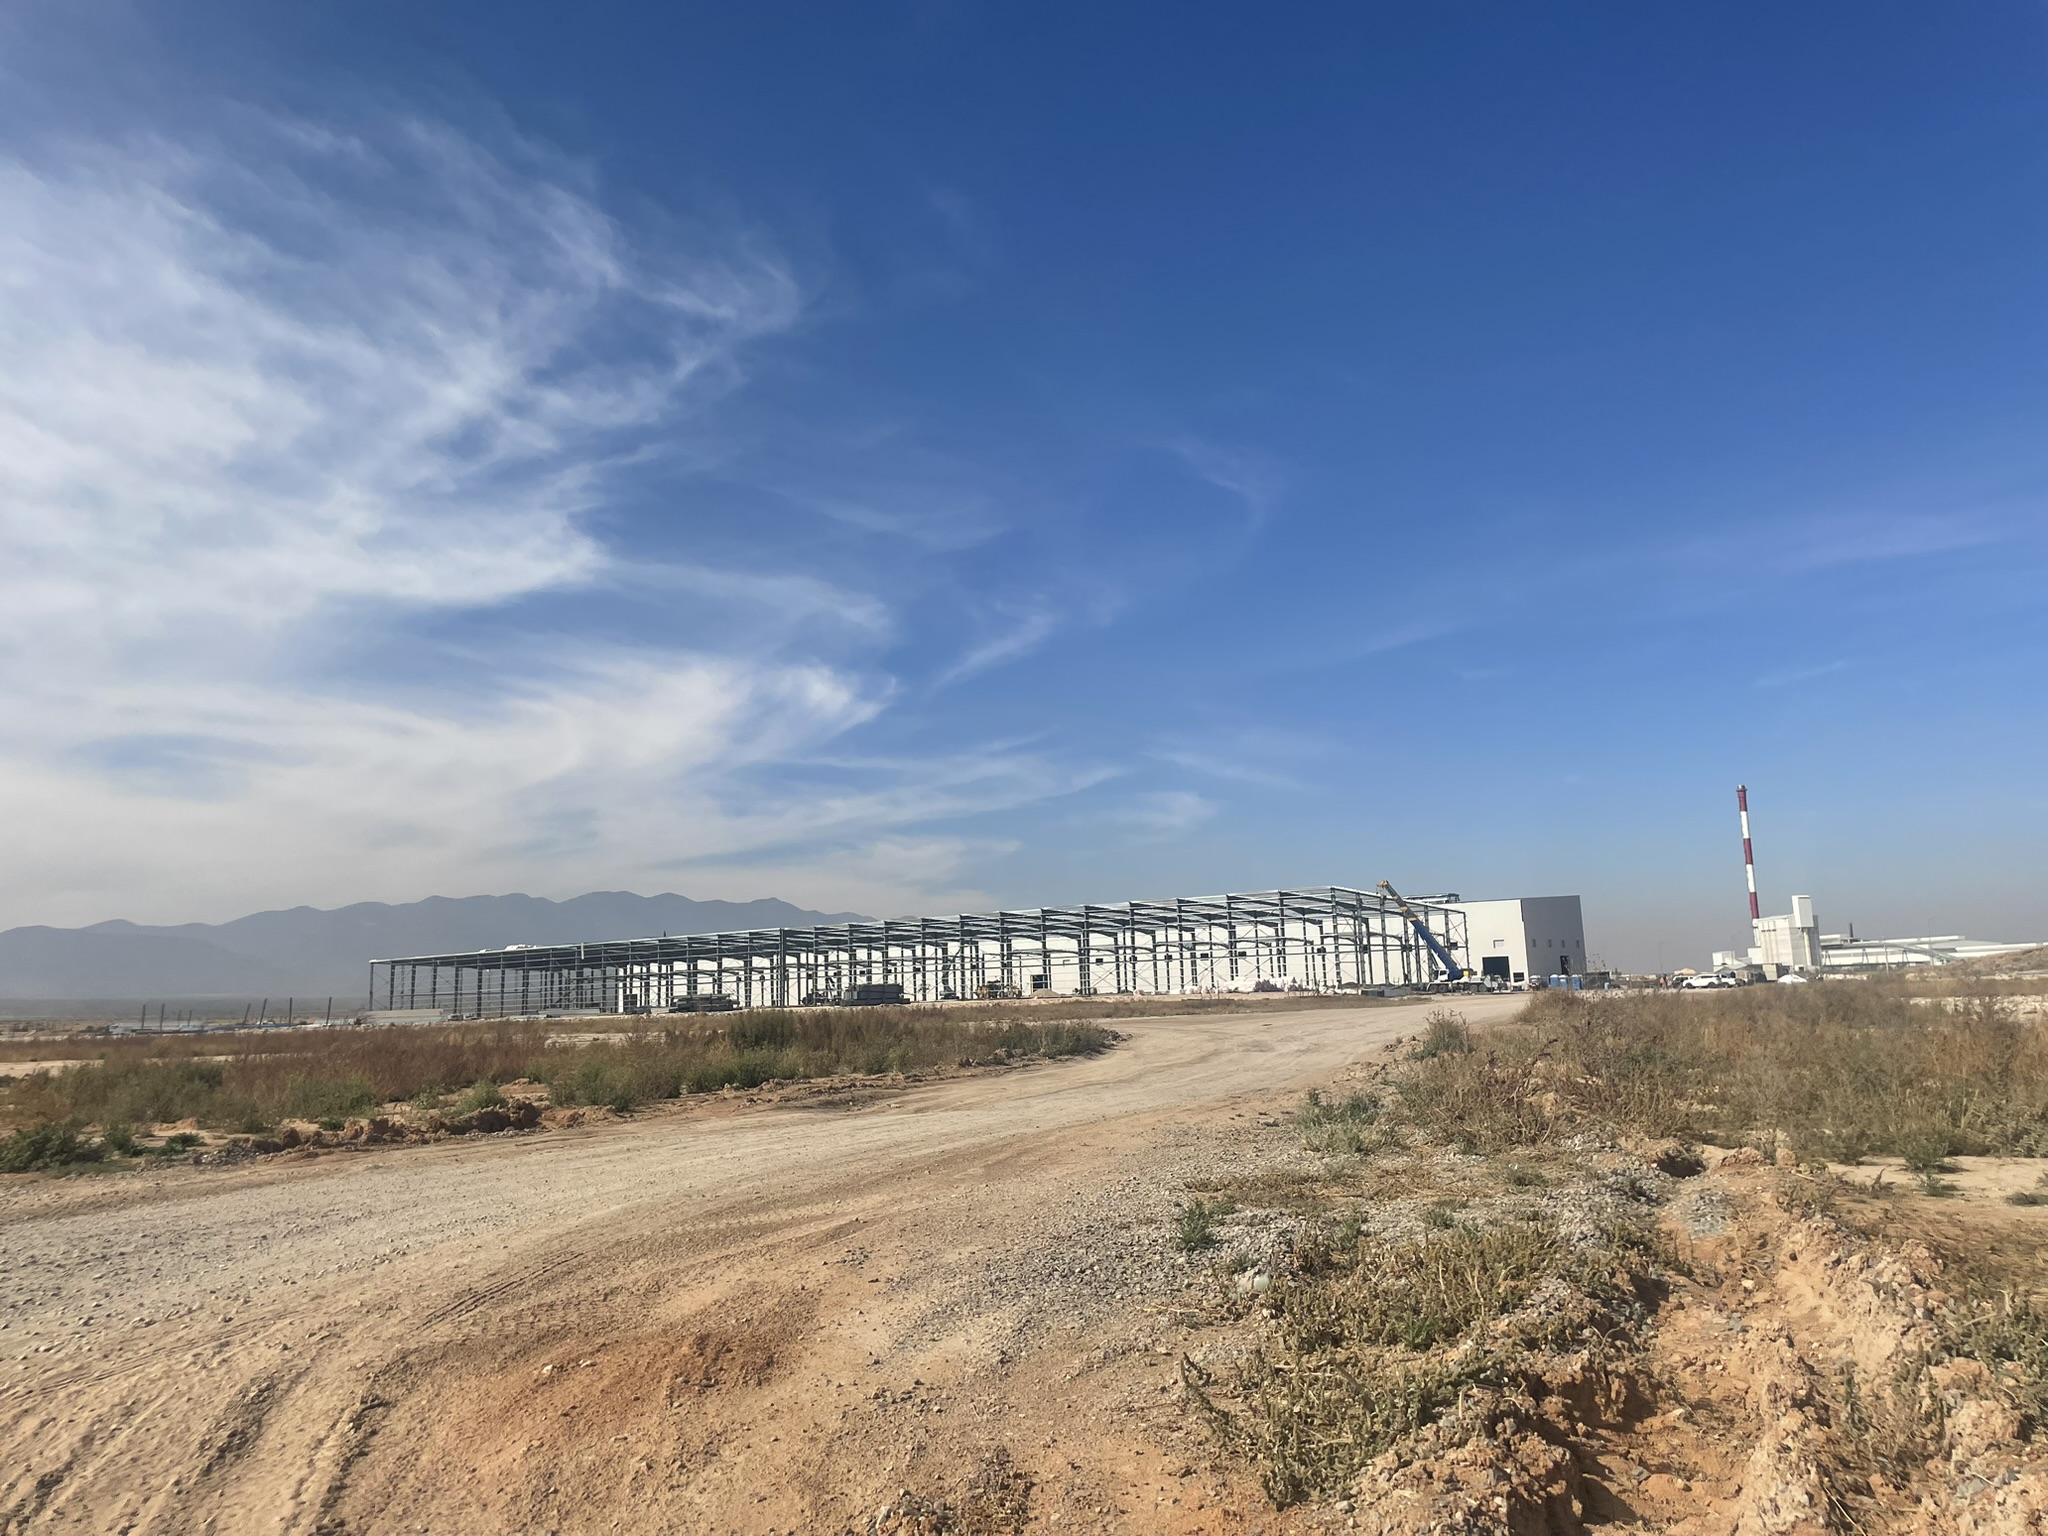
point(1539, 935)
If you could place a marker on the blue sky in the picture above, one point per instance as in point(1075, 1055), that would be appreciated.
point(910, 456)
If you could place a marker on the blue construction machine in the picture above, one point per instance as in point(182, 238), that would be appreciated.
point(1452, 970)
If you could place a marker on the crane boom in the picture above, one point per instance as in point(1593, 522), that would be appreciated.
point(1452, 970)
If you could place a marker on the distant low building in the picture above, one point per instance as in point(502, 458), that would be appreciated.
point(1840, 952)
point(1793, 943)
point(1788, 942)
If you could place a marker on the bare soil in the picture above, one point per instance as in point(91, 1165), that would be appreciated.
point(773, 1321)
point(945, 1307)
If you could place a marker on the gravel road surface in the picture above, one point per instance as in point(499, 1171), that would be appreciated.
point(677, 1322)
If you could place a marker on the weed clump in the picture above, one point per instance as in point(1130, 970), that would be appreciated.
point(1445, 1033)
point(1837, 1072)
point(482, 1094)
point(327, 1099)
point(2006, 1331)
point(1348, 1125)
point(1194, 1226)
point(1491, 1103)
point(1374, 1339)
point(1416, 1294)
point(2038, 1195)
point(1439, 1326)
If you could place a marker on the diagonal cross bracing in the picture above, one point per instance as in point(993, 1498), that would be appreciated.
point(1323, 939)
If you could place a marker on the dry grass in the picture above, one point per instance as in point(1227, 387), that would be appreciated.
point(1372, 1339)
point(65, 1039)
point(248, 1084)
point(1840, 1071)
point(1427, 1317)
point(1347, 1125)
point(1414, 1294)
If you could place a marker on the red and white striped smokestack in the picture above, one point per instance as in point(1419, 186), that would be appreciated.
point(1748, 853)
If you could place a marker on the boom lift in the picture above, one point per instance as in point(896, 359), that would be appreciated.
point(1452, 970)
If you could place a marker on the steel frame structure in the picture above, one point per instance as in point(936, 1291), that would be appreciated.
point(1324, 939)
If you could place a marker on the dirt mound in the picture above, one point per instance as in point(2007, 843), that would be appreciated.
point(995, 1502)
point(563, 1119)
point(2019, 963)
point(708, 1361)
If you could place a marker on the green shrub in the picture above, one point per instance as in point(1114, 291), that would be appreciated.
point(743, 1069)
point(1195, 1224)
point(329, 1099)
point(1352, 1109)
point(119, 1138)
point(595, 1080)
point(144, 1093)
point(45, 1146)
point(1925, 1150)
point(483, 1094)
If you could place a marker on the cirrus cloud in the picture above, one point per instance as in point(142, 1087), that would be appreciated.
point(272, 416)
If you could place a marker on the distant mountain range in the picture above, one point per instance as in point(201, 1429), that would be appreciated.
point(308, 952)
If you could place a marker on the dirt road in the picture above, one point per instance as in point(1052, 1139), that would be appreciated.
point(776, 1319)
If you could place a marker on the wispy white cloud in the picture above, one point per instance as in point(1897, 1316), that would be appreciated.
point(1254, 477)
point(1816, 543)
point(1022, 635)
point(209, 420)
point(264, 416)
point(792, 598)
point(1217, 766)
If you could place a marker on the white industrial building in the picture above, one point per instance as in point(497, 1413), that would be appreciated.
point(1846, 951)
point(1525, 938)
point(1793, 942)
point(1788, 942)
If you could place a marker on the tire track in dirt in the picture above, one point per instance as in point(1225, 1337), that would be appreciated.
point(469, 1301)
point(356, 1285)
